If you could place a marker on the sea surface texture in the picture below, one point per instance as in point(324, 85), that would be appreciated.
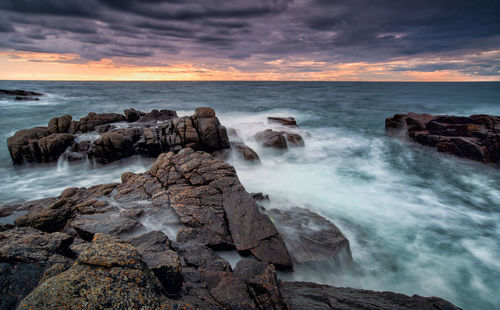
point(418, 222)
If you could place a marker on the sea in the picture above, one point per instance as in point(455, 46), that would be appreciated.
point(418, 221)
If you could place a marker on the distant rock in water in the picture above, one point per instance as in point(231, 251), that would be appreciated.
point(476, 137)
point(118, 136)
point(279, 139)
point(285, 121)
point(19, 92)
point(21, 95)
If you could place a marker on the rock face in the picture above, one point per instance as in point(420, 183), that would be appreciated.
point(476, 137)
point(303, 295)
point(310, 237)
point(147, 134)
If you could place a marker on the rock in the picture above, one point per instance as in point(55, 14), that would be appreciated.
point(88, 225)
point(50, 219)
point(245, 152)
point(200, 257)
point(262, 283)
point(476, 137)
point(19, 92)
point(285, 121)
point(60, 124)
point(304, 295)
point(259, 196)
point(294, 139)
point(271, 138)
point(310, 237)
point(19, 98)
point(92, 120)
point(156, 115)
point(132, 115)
point(228, 289)
point(165, 263)
point(209, 199)
point(25, 256)
point(110, 273)
point(147, 134)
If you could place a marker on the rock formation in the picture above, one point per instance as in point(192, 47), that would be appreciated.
point(476, 137)
point(147, 134)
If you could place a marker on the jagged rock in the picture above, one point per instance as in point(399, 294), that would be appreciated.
point(19, 92)
point(206, 194)
point(262, 283)
point(132, 115)
point(294, 139)
point(156, 115)
point(310, 237)
point(39, 204)
point(476, 137)
point(304, 295)
point(285, 121)
point(199, 256)
point(25, 256)
point(92, 120)
point(147, 134)
point(110, 273)
point(259, 196)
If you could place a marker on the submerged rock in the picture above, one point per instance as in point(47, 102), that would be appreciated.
point(147, 134)
point(305, 295)
point(476, 137)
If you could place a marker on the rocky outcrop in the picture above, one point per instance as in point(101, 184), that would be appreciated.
point(311, 238)
point(476, 137)
point(147, 134)
point(304, 295)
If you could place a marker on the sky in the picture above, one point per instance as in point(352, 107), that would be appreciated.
point(331, 40)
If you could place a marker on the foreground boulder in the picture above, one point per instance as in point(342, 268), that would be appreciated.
point(110, 273)
point(304, 295)
point(476, 137)
point(138, 133)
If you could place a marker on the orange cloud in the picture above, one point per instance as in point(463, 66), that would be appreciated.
point(46, 66)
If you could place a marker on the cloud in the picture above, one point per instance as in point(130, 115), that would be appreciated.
point(250, 34)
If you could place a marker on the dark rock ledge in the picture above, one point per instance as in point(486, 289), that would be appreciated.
point(89, 248)
point(476, 137)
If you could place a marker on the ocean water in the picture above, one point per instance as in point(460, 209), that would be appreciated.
point(418, 222)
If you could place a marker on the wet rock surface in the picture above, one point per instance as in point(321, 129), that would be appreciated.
point(118, 136)
point(21, 95)
point(310, 237)
point(476, 137)
point(304, 295)
point(285, 121)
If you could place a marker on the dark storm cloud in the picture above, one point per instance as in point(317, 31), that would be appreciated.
point(324, 30)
